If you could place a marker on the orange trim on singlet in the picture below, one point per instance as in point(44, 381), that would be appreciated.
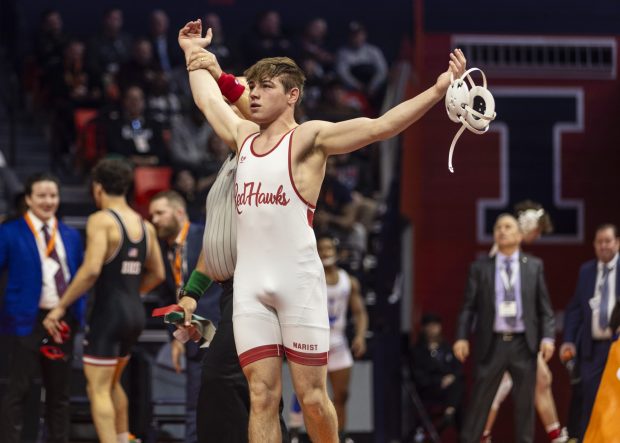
point(51, 244)
point(177, 271)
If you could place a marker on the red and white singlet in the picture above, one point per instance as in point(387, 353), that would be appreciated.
point(280, 301)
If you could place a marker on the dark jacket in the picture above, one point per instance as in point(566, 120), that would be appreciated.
point(479, 304)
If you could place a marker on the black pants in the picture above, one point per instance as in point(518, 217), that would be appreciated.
point(435, 396)
point(224, 399)
point(515, 357)
point(591, 373)
point(25, 363)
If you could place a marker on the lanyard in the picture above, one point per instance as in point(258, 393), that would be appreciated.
point(178, 262)
point(51, 244)
point(508, 284)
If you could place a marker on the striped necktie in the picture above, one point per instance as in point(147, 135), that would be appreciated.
point(59, 278)
point(603, 313)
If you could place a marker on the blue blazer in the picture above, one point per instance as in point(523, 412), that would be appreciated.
point(578, 316)
point(20, 257)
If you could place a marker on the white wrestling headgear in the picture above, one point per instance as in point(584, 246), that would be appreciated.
point(528, 219)
point(474, 108)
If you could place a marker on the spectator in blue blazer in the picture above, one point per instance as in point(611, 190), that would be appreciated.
point(40, 255)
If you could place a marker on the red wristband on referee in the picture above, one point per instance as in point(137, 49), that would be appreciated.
point(230, 87)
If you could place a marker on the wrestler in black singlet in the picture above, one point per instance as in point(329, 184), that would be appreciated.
point(117, 316)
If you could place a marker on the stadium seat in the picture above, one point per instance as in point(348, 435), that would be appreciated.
point(148, 181)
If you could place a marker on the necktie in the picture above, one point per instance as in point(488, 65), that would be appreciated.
point(509, 292)
point(603, 314)
point(59, 278)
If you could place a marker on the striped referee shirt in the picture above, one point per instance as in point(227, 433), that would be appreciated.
point(220, 236)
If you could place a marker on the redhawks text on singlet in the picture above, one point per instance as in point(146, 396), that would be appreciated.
point(251, 197)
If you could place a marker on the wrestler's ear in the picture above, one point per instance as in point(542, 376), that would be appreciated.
point(293, 96)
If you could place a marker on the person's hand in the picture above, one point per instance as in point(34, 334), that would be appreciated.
point(358, 346)
point(447, 380)
point(456, 66)
point(567, 351)
point(177, 350)
point(546, 350)
point(461, 350)
point(200, 58)
point(189, 307)
point(52, 323)
point(190, 36)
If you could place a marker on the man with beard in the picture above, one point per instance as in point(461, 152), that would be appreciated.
point(181, 244)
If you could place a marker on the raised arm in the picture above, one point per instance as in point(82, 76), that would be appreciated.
point(203, 59)
point(206, 93)
point(350, 135)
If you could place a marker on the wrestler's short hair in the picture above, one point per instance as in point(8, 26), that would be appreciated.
point(173, 197)
point(114, 175)
point(39, 177)
point(284, 68)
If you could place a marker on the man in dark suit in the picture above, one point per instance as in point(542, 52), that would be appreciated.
point(507, 296)
point(181, 243)
point(587, 331)
point(41, 256)
point(165, 50)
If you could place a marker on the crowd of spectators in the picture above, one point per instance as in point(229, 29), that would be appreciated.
point(118, 94)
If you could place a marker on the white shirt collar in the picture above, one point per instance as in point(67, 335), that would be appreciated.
point(611, 264)
point(514, 257)
point(37, 223)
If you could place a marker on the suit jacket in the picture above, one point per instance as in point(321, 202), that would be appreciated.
point(479, 304)
point(578, 315)
point(172, 50)
point(19, 256)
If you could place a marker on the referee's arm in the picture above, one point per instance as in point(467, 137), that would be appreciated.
point(189, 303)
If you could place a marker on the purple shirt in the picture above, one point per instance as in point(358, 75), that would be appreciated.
point(501, 325)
